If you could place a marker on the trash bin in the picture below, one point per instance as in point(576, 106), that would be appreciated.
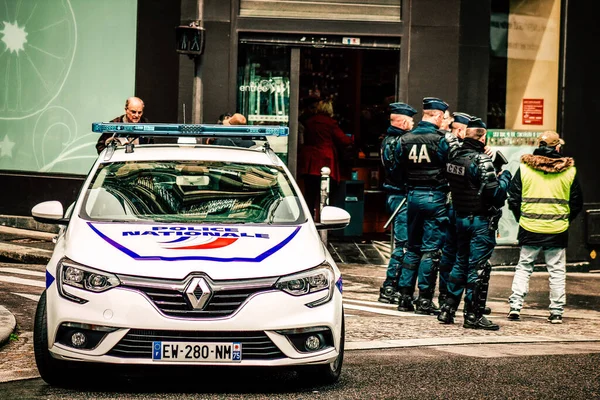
point(351, 197)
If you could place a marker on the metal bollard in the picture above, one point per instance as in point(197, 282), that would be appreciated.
point(325, 172)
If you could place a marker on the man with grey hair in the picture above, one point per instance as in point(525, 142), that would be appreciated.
point(134, 110)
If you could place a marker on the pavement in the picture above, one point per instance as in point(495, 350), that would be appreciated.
point(374, 325)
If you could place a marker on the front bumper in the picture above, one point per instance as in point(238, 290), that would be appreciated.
point(255, 324)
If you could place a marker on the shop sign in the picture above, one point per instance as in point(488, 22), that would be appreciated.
point(533, 111)
point(264, 86)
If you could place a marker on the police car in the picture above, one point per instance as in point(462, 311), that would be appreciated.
point(184, 253)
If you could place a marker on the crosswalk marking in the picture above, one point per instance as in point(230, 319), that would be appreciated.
point(21, 271)
point(33, 297)
point(382, 311)
point(22, 281)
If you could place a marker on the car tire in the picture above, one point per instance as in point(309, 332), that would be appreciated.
point(52, 371)
point(326, 374)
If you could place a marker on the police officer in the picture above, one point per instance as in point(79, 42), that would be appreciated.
point(423, 153)
point(478, 194)
point(458, 128)
point(401, 121)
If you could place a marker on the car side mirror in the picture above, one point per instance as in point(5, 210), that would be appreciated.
point(49, 212)
point(333, 218)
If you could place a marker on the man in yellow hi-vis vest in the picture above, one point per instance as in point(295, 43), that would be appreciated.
point(544, 197)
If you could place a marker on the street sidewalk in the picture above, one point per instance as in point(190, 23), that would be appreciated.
point(370, 324)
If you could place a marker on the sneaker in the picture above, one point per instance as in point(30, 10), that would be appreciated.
point(555, 319)
point(514, 314)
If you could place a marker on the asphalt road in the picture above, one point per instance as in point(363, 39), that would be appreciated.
point(421, 373)
point(562, 364)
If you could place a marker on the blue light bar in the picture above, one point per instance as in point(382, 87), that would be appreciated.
point(175, 130)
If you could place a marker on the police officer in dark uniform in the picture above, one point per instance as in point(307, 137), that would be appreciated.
point(478, 194)
point(401, 121)
point(455, 137)
point(423, 153)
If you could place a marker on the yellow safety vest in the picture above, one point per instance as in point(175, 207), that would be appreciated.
point(545, 200)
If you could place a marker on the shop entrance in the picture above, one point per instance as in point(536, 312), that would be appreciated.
point(276, 79)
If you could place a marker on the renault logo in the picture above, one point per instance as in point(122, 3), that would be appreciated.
point(198, 292)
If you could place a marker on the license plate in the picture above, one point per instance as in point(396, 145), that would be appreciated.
point(196, 352)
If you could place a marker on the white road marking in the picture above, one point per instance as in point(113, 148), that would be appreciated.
point(21, 271)
point(21, 281)
point(33, 297)
point(382, 311)
point(370, 303)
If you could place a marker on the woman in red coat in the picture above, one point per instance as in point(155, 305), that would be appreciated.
point(322, 136)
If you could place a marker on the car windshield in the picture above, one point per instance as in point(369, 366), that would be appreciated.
point(192, 191)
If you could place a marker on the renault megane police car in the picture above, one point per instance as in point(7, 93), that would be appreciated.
point(190, 254)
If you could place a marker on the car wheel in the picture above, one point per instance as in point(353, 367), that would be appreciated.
point(53, 371)
point(326, 374)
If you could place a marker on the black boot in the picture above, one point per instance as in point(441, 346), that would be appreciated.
point(406, 300)
point(425, 306)
point(473, 321)
point(448, 311)
point(388, 294)
point(442, 299)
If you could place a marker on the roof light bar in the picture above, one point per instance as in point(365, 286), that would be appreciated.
point(175, 130)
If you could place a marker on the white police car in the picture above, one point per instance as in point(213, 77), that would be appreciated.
point(190, 254)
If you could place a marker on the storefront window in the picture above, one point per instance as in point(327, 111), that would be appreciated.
point(523, 82)
point(264, 88)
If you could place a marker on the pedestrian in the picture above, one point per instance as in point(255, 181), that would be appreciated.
point(458, 128)
point(322, 135)
point(423, 153)
point(229, 120)
point(234, 119)
point(401, 121)
point(478, 194)
point(544, 196)
point(134, 111)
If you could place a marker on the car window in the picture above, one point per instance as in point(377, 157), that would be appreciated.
point(192, 191)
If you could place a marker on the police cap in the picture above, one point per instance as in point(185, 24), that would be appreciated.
point(433, 103)
point(402, 108)
point(476, 123)
point(461, 118)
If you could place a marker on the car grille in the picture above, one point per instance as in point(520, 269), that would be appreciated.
point(171, 299)
point(222, 304)
point(256, 345)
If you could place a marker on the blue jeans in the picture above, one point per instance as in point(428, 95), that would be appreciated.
point(400, 238)
point(448, 251)
point(426, 221)
point(555, 262)
point(475, 244)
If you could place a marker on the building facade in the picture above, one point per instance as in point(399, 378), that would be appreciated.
point(520, 65)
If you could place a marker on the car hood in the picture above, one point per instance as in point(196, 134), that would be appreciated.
point(176, 250)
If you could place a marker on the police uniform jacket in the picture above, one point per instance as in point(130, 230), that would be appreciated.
point(423, 154)
point(394, 181)
point(547, 160)
point(475, 188)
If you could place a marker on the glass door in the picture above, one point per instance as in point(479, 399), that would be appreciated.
point(263, 89)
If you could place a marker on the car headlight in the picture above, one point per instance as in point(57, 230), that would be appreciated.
point(82, 277)
point(314, 280)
